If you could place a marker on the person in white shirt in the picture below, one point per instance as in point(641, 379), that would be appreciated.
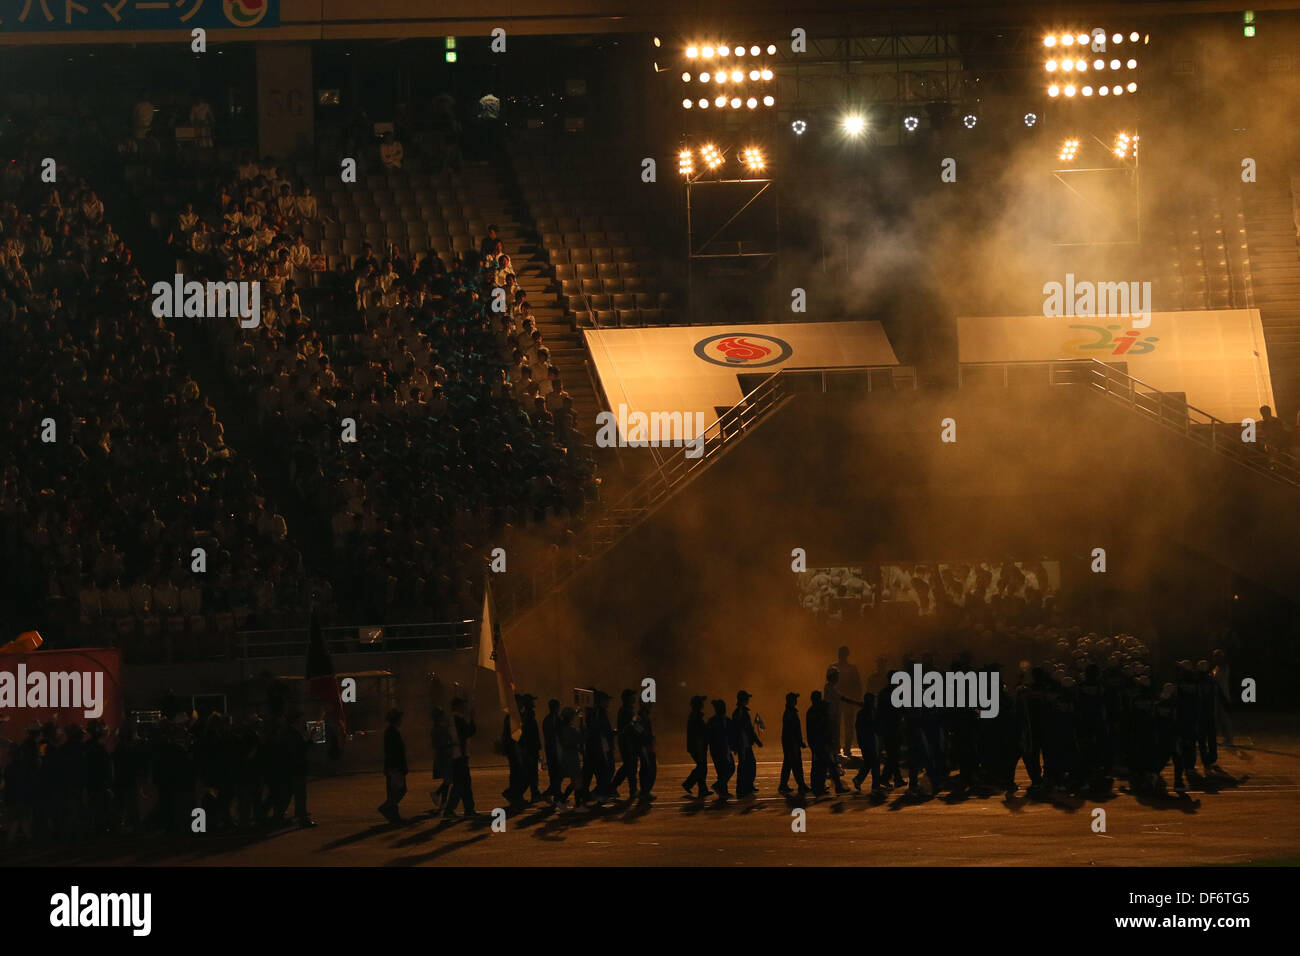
point(188, 218)
point(306, 204)
point(286, 203)
point(201, 239)
point(300, 253)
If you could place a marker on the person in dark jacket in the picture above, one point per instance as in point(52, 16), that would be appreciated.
point(627, 746)
point(889, 725)
point(1207, 738)
point(570, 743)
point(864, 731)
point(99, 778)
point(818, 723)
point(598, 763)
point(643, 736)
point(792, 746)
point(551, 739)
point(395, 768)
point(443, 757)
point(297, 745)
point(462, 790)
point(744, 739)
point(697, 745)
point(529, 748)
point(718, 731)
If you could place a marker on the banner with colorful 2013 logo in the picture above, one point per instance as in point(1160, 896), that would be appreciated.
point(17, 16)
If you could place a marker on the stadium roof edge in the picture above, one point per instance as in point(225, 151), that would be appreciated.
point(307, 20)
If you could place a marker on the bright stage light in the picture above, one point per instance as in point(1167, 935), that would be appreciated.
point(735, 102)
point(708, 52)
point(1050, 66)
point(704, 77)
point(1053, 90)
point(754, 75)
point(1117, 89)
point(711, 156)
point(1081, 66)
point(1099, 64)
point(752, 102)
point(1068, 150)
point(1049, 41)
point(1132, 87)
point(1086, 91)
point(704, 104)
point(771, 49)
point(1069, 90)
point(1103, 91)
point(1134, 36)
point(1067, 40)
point(969, 120)
point(799, 127)
point(692, 52)
point(769, 100)
point(686, 162)
point(910, 123)
point(766, 74)
point(1117, 38)
point(754, 50)
point(1114, 64)
point(686, 78)
point(753, 159)
point(853, 125)
point(724, 51)
point(687, 104)
point(720, 102)
point(1132, 64)
point(1031, 119)
point(720, 77)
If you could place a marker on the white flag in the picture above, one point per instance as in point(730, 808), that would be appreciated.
point(487, 650)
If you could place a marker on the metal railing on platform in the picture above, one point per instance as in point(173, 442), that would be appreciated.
point(765, 394)
point(1167, 409)
point(363, 639)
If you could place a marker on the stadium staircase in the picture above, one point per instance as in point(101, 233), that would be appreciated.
point(1166, 409)
point(1271, 229)
point(672, 472)
point(770, 394)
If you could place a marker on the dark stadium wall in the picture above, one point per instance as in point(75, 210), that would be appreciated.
point(702, 598)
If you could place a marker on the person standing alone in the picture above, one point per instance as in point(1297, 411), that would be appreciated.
point(395, 768)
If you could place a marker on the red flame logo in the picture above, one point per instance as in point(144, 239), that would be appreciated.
point(736, 349)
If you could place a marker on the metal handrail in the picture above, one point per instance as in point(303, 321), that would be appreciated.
point(1166, 409)
point(620, 517)
point(392, 639)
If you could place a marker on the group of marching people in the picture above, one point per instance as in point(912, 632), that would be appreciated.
point(1076, 723)
point(587, 756)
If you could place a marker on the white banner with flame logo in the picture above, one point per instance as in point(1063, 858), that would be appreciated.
point(1217, 358)
point(694, 368)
